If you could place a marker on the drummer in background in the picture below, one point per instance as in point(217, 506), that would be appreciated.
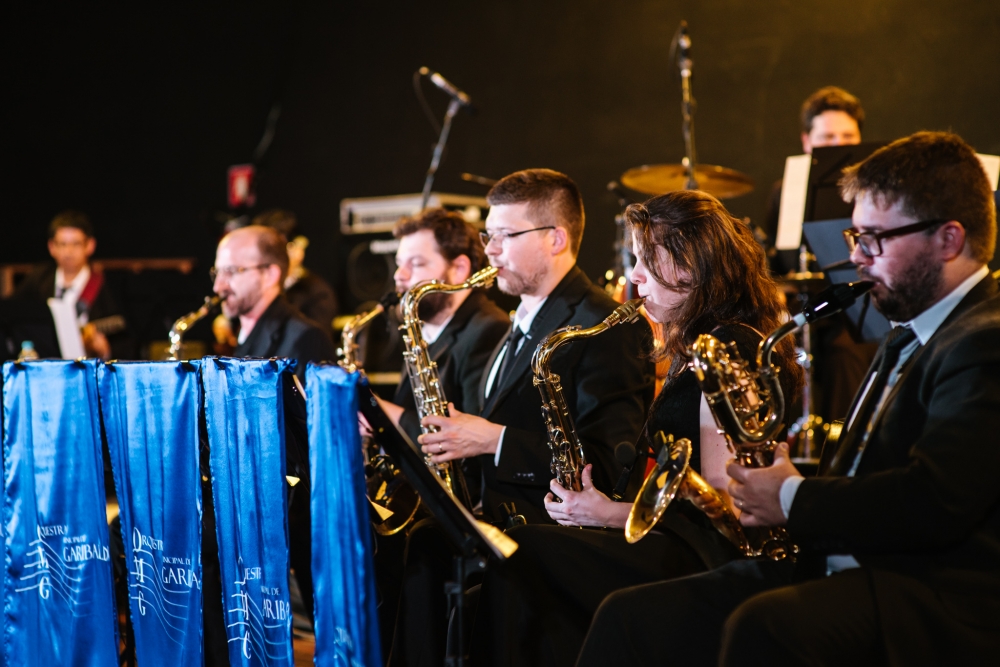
point(831, 116)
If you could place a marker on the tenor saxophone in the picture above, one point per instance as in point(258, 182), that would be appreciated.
point(568, 459)
point(349, 349)
point(427, 390)
point(184, 323)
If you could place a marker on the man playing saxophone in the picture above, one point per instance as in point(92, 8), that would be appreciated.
point(461, 328)
point(533, 235)
point(899, 532)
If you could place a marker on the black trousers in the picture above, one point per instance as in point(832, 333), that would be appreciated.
point(535, 608)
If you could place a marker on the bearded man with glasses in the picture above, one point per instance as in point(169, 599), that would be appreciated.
point(250, 268)
point(900, 532)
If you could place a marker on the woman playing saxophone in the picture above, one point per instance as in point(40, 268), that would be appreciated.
point(700, 271)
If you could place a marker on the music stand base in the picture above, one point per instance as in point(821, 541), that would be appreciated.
point(457, 651)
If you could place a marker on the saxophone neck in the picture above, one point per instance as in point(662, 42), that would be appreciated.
point(176, 334)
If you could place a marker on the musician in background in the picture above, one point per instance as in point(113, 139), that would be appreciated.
point(304, 289)
point(533, 235)
point(900, 533)
point(72, 280)
point(250, 268)
point(701, 272)
point(251, 264)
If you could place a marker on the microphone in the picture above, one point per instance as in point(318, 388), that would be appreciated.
point(446, 86)
point(626, 455)
point(832, 300)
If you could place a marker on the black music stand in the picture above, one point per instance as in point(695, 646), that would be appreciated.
point(475, 541)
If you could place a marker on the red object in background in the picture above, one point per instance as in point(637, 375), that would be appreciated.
point(241, 185)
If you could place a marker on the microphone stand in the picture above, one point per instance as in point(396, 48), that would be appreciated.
point(449, 115)
point(687, 104)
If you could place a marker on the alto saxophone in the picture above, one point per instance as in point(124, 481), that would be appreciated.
point(568, 459)
point(427, 390)
point(184, 323)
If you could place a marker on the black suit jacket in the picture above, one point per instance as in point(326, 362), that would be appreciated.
point(461, 353)
point(608, 384)
point(922, 513)
point(282, 331)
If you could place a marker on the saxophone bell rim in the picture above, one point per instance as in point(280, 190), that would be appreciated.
point(653, 499)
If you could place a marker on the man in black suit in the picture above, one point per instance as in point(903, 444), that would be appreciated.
point(534, 230)
point(71, 278)
point(250, 267)
point(905, 516)
point(533, 235)
point(461, 328)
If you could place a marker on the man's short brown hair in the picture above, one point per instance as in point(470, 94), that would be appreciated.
point(454, 236)
point(72, 219)
point(272, 246)
point(936, 176)
point(552, 198)
point(831, 98)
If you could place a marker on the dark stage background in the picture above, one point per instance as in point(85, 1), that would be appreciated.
point(134, 117)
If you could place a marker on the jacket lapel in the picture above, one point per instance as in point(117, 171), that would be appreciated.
point(556, 311)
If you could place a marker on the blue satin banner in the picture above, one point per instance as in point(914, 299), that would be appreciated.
point(58, 589)
point(343, 570)
point(244, 414)
point(151, 414)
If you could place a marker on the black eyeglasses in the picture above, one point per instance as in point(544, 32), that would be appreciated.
point(230, 271)
point(871, 242)
point(500, 237)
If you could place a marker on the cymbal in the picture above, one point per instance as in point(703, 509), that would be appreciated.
point(656, 179)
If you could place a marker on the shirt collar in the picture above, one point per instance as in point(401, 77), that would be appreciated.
point(927, 322)
point(524, 317)
point(78, 284)
point(432, 332)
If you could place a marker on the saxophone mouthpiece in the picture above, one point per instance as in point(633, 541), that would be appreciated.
point(627, 312)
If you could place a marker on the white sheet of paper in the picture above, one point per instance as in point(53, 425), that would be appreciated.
point(792, 210)
point(991, 163)
point(67, 329)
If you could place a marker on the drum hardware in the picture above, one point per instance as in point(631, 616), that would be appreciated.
point(656, 179)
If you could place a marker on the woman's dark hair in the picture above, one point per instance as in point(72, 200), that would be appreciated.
point(719, 264)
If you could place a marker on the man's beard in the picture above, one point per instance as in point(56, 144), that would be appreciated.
point(517, 284)
point(432, 304)
point(916, 289)
point(243, 303)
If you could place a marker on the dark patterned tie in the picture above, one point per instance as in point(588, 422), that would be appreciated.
point(855, 438)
point(508, 356)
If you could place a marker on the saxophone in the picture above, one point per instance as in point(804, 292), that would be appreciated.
point(184, 323)
point(568, 459)
point(349, 349)
point(427, 390)
point(749, 407)
point(394, 502)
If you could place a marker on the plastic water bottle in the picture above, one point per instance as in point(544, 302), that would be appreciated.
point(28, 352)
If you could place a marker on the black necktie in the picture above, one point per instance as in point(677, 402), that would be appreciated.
point(854, 439)
point(513, 339)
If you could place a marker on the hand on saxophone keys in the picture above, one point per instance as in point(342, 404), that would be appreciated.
point(588, 507)
point(757, 491)
point(458, 436)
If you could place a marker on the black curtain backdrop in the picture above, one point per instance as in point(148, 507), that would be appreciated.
point(134, 116)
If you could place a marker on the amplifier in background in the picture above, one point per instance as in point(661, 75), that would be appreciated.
point(370, 215)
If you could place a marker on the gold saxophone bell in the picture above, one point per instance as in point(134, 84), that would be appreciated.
point(673, 478)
